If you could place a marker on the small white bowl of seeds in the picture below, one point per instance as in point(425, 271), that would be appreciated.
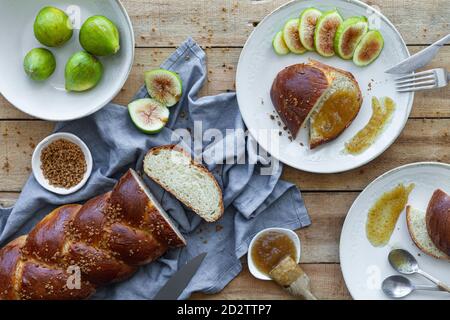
point(62, 163)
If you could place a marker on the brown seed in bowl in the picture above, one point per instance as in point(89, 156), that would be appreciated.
point(63, 163)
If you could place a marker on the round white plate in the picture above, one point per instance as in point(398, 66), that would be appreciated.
point(258, 66)
point(48, 100)
point(364, 267)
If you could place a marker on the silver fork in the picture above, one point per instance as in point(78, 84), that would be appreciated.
point(430, 79)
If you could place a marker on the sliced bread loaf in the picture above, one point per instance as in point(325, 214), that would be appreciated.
point(190, 182)
point(418, 230)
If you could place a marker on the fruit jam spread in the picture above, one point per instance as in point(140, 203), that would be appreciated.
point(384, 214)
point(336, 113)
point(381, 114)
point(270, 248)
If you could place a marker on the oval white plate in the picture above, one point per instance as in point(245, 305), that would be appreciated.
point(258, 66)
point(364, 267)
point(48, 100)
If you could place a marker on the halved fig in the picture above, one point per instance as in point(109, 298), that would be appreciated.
point(307, 26)
point(279, 46)
point(148, 115)
point(163, 85)
point(348, 35)
point(369, 48)
point(292, 38)
point(325, 31)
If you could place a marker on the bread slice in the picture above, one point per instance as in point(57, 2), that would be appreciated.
point(337, 107)
point(418, 230)
point(190, 182)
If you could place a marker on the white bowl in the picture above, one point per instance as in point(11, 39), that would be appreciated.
point(36, 162)
point(48, 99)
point(251, 265)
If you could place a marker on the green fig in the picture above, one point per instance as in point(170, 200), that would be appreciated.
point(348, 35)
point(164, 86)
point(292, 37)
point(307, 26)
point(148, 115)
point(52, 27)
point(279, 46)
point(369, 48)
point(83, 72)
point(325, 31)
point(39, 64)
point(99, 36)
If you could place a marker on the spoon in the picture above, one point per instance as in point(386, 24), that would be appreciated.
point(400, 286)
point(404, 262)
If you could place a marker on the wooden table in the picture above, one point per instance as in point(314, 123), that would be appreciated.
point(221, 27)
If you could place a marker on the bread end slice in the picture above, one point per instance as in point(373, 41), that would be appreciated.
point(190, 182)
point(415, 220)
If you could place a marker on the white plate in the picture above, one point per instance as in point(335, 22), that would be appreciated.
point(258, 66)
point(48, 100)
point(364, 267)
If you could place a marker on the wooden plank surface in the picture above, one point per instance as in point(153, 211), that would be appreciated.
point(228, 23)
point(326, 283)
point(422, 139)
point(222, 28)
point(222, 63)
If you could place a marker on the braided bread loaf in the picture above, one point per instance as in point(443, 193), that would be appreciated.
point(104, 240)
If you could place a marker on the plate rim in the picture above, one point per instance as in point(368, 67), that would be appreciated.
point(102, 104)
point(324, 170)
point(373, 182)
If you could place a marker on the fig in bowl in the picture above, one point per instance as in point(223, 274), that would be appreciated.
point(39, 64)
point(83, 72)
point(52, 27)
point(100, 36)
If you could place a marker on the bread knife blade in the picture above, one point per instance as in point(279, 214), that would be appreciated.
point(420, 59)
point(180, 280)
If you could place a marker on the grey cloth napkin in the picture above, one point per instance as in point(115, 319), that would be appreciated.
point(252, 201)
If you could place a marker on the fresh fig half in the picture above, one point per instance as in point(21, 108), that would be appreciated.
point(369, 48)
point(279, 46)
point(148, 115)
point(307, 26)
point(348, 35)
point(325, 31)
point(164, 86)
point(292, 37)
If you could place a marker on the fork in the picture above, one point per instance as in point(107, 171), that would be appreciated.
point(430, 79)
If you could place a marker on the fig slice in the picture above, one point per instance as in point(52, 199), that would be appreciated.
point(307, 26)
point(325, 31)
point(164, 86)
point(292, 37)
point(148, 115)
point(369, 48)
point(348, 35)
point(279, 46)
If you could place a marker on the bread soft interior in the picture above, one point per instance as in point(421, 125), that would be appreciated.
point(190, 184)
point(418, 230)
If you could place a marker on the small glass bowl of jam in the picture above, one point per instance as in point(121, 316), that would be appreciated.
point(267, 249)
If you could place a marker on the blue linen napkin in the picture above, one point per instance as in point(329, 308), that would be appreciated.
point(252, 201)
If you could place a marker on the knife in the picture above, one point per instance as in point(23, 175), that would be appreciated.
point(420, 59)
point(180, 280)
